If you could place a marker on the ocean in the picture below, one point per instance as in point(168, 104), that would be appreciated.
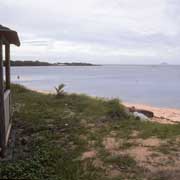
point(156, 85)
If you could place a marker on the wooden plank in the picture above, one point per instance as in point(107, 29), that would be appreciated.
point(7, 63)
point(2, 120)
point(7, 109)
point(8, 134)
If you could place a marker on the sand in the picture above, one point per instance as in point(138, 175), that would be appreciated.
point(162, 115)
point(42, 91)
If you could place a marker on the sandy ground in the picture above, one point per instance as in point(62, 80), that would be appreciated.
point(162, 115)
point(42, 91)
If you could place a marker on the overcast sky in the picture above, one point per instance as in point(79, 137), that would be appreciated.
point(96, 31)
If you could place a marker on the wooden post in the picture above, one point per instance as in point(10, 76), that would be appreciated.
point(7, 63)
point(2, 120)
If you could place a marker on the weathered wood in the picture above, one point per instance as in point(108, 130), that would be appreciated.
point(2, 120)
point(7, 63)
point(4, 40)
point(9, 36)
point(7, 115)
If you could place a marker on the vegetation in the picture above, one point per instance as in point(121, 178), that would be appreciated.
point(40, 63)
point(60, 90)
point(76, 64)
point(77, 137)
point(29, 63)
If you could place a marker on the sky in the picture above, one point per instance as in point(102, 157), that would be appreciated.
point(95, 31)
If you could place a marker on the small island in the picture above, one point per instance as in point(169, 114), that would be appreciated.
point(41, 63)
point(164, 64)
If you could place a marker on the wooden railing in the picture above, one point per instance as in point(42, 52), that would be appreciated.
point(7, 114)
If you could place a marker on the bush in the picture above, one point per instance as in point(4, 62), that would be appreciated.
point(116, 109)
point(60, 90)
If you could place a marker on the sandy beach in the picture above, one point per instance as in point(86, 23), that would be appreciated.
point(161, 115)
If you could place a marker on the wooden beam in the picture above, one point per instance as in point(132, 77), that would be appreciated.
point(2, 117)
point(4, 40)
point(7, 64)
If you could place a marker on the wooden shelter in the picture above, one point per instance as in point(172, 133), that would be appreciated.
point(7, 37)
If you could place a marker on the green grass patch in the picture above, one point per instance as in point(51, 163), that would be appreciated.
point(121, 161)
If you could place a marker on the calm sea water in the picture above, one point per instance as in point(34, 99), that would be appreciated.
point(154, 85)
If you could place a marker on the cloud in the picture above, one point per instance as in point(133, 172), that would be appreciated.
point(119, 30)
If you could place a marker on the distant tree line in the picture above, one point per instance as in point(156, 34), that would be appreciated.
point(29, 63)
point(39, 63)
point(76, 64)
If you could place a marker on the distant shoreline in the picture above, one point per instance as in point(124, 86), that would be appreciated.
point(40, 63)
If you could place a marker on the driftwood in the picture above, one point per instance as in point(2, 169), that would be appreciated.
point(147, 113)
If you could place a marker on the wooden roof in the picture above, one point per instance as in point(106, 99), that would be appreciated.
point(9, 35)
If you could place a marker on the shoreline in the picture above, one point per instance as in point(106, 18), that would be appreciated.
point(161, 115)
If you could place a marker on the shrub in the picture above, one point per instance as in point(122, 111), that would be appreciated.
point(60, 90)
point(116, 109)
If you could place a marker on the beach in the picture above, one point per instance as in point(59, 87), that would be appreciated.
point(161, 115)
point(152, 88)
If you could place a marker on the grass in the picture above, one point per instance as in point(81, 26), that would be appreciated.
point(57, 131)
point(121, 161)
